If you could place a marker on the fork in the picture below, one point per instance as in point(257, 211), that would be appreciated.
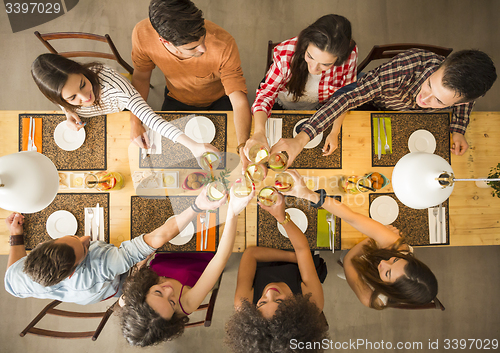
point(90, 212)
point(435, 214)
point(202, 221)
point(33, 146)
point(151, 136)
point(386, 147)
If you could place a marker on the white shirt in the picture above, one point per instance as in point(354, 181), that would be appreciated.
point(309, 99)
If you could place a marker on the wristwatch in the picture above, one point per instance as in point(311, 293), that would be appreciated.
point(239, 146)
point(322, 198)
point(286, 220)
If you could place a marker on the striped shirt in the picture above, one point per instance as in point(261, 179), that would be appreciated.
point(393, 86)
point(118, 94)
point(279, 74)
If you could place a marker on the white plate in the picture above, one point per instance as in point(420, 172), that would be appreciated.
point(315, 141)
point(422, 141)
point(68, 139)
point(200, 129)
point(184, 236)
point(384, 209)
point(298, 217)
point(61, 223)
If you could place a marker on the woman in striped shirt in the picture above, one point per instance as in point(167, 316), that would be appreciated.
point(306, 71)
point(87, 90)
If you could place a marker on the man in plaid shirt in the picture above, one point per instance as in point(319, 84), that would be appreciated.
point(414, 80)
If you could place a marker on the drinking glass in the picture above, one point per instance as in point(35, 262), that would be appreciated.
point(109, 181)
point(268, 196)
point(283, 182)
point(209, 161)
point(216, 191)
point(258, 153)
point(278, 161)
point(242, 187)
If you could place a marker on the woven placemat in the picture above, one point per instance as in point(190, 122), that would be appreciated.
point(35, 230)
point(403, 125)
point(269, 236)
point(149, 213)
point(90, 156)
point(175, 155)
point(414, 224)
point(311, 158)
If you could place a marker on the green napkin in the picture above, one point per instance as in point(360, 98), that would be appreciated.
point(382, 134)
point(322, 239)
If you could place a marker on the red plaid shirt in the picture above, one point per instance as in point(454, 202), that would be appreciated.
point(279, 74)
point(393, 85)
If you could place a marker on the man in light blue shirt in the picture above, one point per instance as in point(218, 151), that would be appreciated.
point(74, 269)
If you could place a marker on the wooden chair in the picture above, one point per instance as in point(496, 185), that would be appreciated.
point(44, 38)
point(207, 321)
point(391, 50)
point(50, 309)
point(434, 304)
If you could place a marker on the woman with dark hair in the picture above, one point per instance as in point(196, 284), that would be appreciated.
point(158, 298)
point(381, 269)
point(87, 90)
point(306, 71)
point(278, 297)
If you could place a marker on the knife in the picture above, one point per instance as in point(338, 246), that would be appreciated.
point(440, 215)
point(333, 232)
point(379, 154)
point(97, 220)
point(207, 227)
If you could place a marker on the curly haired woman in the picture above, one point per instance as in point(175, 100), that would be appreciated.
point(278, 297)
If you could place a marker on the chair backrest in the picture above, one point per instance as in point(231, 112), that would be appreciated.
point(270, 48)
point(50, 309)
point(391, 50)
point(44, 38)
point(209, 307)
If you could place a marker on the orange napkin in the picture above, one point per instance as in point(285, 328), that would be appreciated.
point(211, 232)
point(38, 133)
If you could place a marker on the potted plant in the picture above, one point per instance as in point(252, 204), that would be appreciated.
point(495, 185)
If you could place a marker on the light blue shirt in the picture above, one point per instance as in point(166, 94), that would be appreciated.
point(96, 278)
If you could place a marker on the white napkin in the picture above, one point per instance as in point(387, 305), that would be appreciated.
point(274, 130)
point(94, 225)
point(440, 237)
point(154, 138)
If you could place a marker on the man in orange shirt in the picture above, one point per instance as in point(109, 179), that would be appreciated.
point(199, 59)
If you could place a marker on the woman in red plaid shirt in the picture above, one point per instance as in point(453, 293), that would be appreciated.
point(306, 71)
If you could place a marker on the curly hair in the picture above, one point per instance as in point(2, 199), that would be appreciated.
point(141, 325)
point(50, 263)
point(330, 33)
point(51, 71)
point(178, 21)
point(419, 286)
point(295, 318)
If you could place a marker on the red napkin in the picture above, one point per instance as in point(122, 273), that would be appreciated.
point(38, 133)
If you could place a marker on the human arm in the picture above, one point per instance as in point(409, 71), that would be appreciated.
point(248, 266)
point(141, 81)
point(73, 120)
point(458, 125)
point(332, 140)
point(212, 272)
point(310, 279)
point(259, 133)
point(15, 225)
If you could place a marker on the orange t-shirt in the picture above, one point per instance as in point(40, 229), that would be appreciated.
point(196, 81)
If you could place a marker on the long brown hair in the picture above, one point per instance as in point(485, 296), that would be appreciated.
point(418, 286)
point(330, 33)
point(51, 71)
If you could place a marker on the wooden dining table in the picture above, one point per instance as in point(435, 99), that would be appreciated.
point(473, 213)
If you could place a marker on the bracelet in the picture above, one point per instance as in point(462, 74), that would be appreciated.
point(239, 146)
point(17, 239)
point(286, 220)
point(322, 198)
point(196, 208)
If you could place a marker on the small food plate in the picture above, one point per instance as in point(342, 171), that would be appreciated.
point(156, 179)
point(63, 180)
point(170, 180)
point(384, 184)
point(298, 217)
point(67, 139)
point(189, 180)
point(61, 223)
point(201, 129)
point(76, 180)
point(422, 141)
point(184, 236)
point(384, 209)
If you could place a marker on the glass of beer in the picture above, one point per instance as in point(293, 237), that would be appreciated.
point(268, 196)
point(283, 182)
